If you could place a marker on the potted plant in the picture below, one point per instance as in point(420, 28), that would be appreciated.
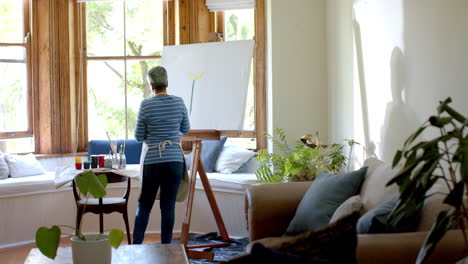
point(83, 246)
point(303, 162)
point(442, 158)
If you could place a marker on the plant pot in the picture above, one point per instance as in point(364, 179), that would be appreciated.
point(92, 250)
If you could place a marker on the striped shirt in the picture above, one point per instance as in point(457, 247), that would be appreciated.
point(161, 118)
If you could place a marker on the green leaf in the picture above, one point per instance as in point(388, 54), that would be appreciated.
point(115, 237)
point(444, 222)
point(439, 121)
point(461, 156)
point(397, 158)
point(88, 182)
point(457, 116)
point(455, 197)
point(405, 173)
point(412, 137)
point(103, 180)
point(47, 240)
point(443, 105)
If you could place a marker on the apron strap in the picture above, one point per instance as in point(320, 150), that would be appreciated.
point(162, 145)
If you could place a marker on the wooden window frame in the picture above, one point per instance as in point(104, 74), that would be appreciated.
point(185, 22)
point(27, 31)
point(81, 63)
point(191, 20)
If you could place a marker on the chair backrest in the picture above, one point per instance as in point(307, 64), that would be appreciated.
point(102, 147)
point(111, 178)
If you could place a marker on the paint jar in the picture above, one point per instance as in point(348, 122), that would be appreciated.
point(78, 163)
point(108, 162)
point(86, 165)
point(94, 161)
point(101, 161)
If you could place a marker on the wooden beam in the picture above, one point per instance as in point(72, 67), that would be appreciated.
point(42, 76)
point(220, 23)
point(260, 84)
point(184, 21)
point(81, 99)
point(53, 76)
point(169, 22)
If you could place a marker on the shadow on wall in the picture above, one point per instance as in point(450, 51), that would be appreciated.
point(400, 121)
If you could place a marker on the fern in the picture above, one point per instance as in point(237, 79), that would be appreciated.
point(299, 162)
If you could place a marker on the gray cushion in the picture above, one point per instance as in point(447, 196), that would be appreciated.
point(325, 195)
point(375, 221)
point(4, 170)
point(209, 154)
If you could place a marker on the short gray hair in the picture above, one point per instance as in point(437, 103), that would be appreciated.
point(158, 77)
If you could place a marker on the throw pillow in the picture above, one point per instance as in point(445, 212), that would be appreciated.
point(335, 243)
point(353, 204)
point(374, 190)
point(4, 171)
point(325, 195)
point(209, 154)
point(232, 158)
point(23, 165)
point(375, 221)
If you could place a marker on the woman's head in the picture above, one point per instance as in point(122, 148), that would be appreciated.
point(157, 77)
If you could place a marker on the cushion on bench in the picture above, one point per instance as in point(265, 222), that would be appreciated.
point(132, 149)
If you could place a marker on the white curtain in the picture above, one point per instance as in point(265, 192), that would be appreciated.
point(221, 5)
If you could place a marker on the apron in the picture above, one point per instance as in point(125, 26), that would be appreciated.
point(182, 192)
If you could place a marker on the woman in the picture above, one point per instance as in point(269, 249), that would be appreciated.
point(160, 120)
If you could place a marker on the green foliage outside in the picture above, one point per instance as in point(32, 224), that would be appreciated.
point(12, 94)
point(240, 25)
point(297, 163)
point(48, 239)
point(143, 38)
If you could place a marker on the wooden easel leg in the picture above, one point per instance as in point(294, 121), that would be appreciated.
point(212, 200)
point(197, 166)
point(193, 178)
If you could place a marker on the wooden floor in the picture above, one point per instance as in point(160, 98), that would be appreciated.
point(17, 255)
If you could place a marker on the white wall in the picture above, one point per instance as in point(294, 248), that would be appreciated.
point(296, 67)
point(414, 54)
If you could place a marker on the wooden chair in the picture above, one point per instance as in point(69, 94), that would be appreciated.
point(104, 205)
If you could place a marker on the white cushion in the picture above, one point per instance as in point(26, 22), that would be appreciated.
point(4, 171)
point(232, 158)
point(374, 190)
point(23, 165)
point(27, 185)
point(353, 204)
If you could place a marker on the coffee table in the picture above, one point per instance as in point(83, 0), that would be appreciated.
point(134, 254)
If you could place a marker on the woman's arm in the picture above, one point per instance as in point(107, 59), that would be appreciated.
point(140, 129)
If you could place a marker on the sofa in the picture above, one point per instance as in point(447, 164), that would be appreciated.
point(271, 207)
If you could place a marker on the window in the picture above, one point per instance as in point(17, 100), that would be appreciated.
point(15, 77)
point(124, 39)
point(240, 25)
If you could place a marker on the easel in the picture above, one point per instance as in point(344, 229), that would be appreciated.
point(197, 167)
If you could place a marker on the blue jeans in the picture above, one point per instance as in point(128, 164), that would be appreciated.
point(166, 177)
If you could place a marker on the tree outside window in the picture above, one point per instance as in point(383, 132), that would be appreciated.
point(124, 40)
point(15, 121)
point(240, 25)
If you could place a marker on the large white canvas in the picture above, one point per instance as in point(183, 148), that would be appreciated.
point(219, 73)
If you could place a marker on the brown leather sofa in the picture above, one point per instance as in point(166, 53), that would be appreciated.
point(270, 208)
